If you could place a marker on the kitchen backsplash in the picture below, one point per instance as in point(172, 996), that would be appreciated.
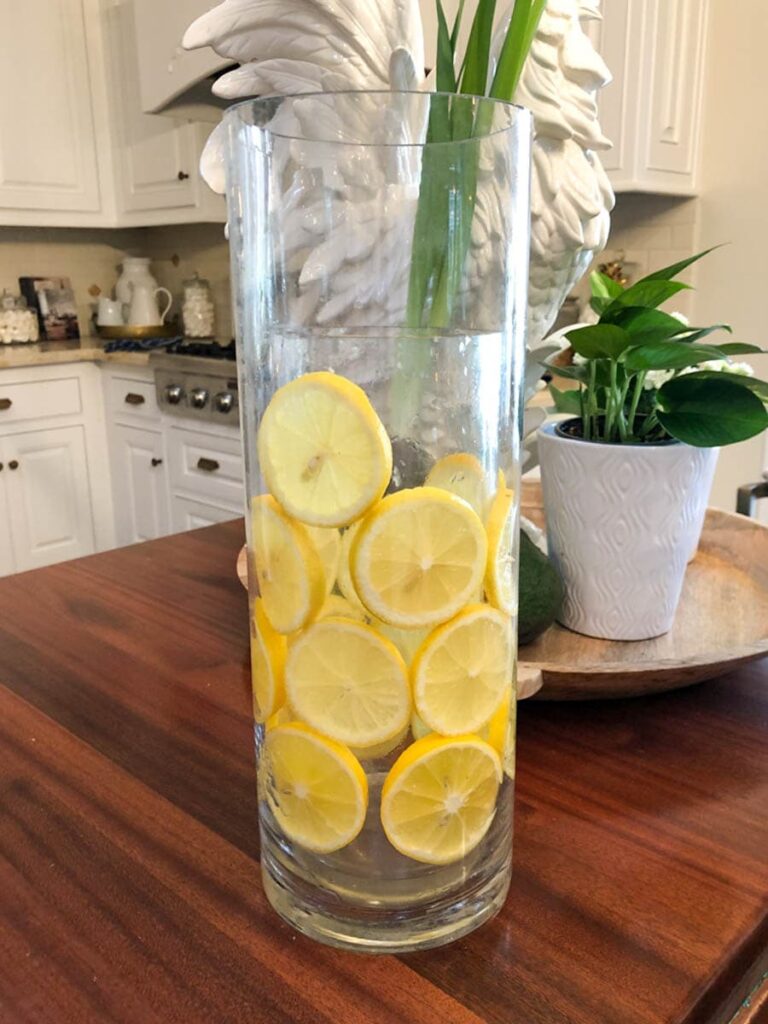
point(647, 231)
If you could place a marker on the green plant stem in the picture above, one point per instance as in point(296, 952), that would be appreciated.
point(636, 396)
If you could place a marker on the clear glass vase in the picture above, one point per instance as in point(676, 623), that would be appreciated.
point(380, 277)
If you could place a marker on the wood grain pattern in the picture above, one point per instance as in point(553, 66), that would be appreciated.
point(128, 841)
point(721, 622)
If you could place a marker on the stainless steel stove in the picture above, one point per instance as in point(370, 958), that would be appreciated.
point(196, 387)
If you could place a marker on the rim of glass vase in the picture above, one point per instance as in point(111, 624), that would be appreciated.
point(517, 112)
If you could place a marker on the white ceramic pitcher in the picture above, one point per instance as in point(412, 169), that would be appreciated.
point(143, 310)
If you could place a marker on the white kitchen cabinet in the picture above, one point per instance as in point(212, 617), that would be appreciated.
point(140, 484)
point(187, 514)
point(55, 500)
point(652, 111)
point(48, 159)
point(48, 496)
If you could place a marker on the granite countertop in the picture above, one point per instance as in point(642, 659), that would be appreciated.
point(46, 353)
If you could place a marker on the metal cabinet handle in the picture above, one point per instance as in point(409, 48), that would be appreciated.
point(207, 465)
point(133, 399)
point(5, 403)
point(748, 495)
point(157, 462)
point(182, 176)
point(13, 464)
point(1, 467)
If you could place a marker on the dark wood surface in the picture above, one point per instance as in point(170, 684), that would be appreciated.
point(129, 883)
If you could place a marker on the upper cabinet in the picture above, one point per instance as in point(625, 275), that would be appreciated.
point(652, 111)
point(76, 148)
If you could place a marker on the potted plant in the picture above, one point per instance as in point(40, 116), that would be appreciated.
point(626, 480)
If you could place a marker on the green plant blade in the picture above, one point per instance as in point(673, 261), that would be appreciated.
point(644, 293)
point(708, 413)
point(574, 372)
point(525, 19)
point(759, 387)
point(648, 325)
point(566, 401)
point(445, 73)
point(740, 348)
point(669, 355)
point(604, 287)
point(599, 341)
point(666, 273)
point(457, 26)
point(477, 59)
point(697, 333)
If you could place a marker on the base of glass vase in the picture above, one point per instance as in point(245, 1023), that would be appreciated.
point(368, 928)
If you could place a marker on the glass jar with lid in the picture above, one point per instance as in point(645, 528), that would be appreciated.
point(18, 323)
point(197, 309)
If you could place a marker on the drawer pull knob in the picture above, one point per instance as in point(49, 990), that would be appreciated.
point(157, 462)
point(1, 467)
point(182, 176)
point(13, 464)
point(133, 399)
point(5, 403)
point(207, 465)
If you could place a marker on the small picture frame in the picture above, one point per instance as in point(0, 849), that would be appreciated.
point(54, 301)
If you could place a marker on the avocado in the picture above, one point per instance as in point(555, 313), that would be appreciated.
point(541, 591)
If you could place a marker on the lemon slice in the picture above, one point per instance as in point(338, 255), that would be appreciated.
point(290, 574)
point(418, 557)
point(315, 788)
point(407, 641)
point(378, 750)
point(499, 574)
point(419, 727)
point(348, 682)
point(282, 716)
point(344, 578)
point(499, 732)
point(463, 475)
point(462, 670)
point(267, 665)
point(327, 541)
point(323, 451)
point(340, 607)
point(439, 798)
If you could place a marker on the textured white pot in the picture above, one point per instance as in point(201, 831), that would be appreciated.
point(622, 523)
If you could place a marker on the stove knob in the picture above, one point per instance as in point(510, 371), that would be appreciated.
point(174, 394)
point(198, 398)
point(225, 401)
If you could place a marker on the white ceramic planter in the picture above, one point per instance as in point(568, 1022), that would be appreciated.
point(622, 523)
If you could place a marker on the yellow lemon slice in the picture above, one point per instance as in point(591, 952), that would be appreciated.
point(348, 682)
point(419, 727)
point(267, 665)
point(323, 451)
point(339, 607)
point(462, 670)
point(461, 474)
point(344, 578)
point(418, 557)
point(315, 788)
point(498, 731)
point(327, 543)
point(499, 574)
point(290, 574)
point(407, 641)
point(439, 798)
point(282, 716)
point(378, 750)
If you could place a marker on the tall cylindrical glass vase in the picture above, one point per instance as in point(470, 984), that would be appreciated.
point(380, 264)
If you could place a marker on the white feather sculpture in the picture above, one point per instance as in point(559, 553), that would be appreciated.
point(303, 46)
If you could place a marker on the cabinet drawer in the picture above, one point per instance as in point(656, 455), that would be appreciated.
point(33, 400)
point(187, 514)
point(134, 399)
point(207, 467)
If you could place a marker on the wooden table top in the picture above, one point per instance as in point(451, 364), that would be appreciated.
point(129, 883)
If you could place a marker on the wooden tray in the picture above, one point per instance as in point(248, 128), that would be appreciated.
point(125, 332)
point(721, 622)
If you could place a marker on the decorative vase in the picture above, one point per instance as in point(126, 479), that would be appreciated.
point(622, 523)
point(380, 427)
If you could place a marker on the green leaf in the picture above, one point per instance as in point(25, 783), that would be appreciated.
point(445, 73)
point(526, 15)
point(759, 387)
point(566, 401)
point(574, 372)
point(697, 333)
point(648, 325)
point(604, 287)
point(666, 273)
point(477, 58)
point(599, 341)
point(669, 355)
point(644, 293)
point(708, 412)
point(599, 304)
point(739, 348)
point(456, 26)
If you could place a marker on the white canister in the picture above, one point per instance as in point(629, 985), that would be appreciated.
point(622, 521)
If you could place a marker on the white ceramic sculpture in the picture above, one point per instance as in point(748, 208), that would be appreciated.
point(296, 46)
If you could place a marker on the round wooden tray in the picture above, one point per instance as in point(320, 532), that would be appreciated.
point(721, 622)
point(124, 332)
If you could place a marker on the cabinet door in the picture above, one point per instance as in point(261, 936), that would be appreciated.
point(7, 561)
point(47, 143)
point(49, 497)
point(156, 155)
point(139, 484)
point(190, 515)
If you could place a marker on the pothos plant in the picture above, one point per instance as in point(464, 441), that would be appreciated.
point(645, 376)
